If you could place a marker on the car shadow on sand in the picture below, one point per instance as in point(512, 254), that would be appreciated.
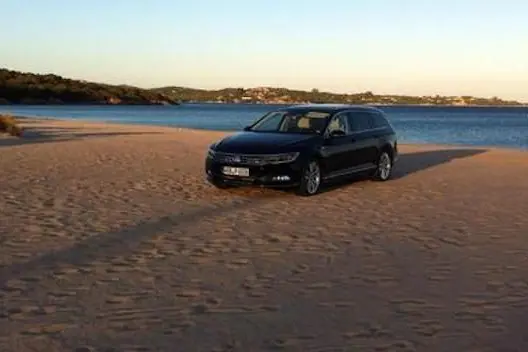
point(122, 241)
point(410, 163)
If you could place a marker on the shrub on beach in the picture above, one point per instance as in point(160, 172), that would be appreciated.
point(8, 125)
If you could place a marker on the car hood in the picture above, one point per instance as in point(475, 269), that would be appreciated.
point(263, 142)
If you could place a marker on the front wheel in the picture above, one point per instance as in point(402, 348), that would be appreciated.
point(384, 167)
point(310, 179)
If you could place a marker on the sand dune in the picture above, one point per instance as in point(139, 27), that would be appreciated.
point(110, 240)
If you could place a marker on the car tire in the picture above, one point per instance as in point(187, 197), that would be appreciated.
point(311, 177)
point(384, 167)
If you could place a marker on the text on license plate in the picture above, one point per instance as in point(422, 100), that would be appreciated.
point(235, 171)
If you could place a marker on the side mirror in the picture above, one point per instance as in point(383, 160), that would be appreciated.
point(247, 128)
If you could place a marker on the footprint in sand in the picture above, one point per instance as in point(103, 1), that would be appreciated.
point(296, 280)
point(397, 346)
point(46, 310)
point(272, 252)
point(178, 327)
point(278, 238)
point(415, 307)
point(479, 315)
point(197, 260)
point(302, 268)
point(189, 294)
point(25, 311)
point(369, 330)
point(319, 286)
point(62, 294)
point(84, 349)
point(50, 329)
point(200, 308)
point(135, 259)
point(118, 269)
point(283, 343)
point(13, 313)
point(213, 301)
point(228, 347)
point(202, 251)
point(252, 284)
point(256, 294)
point(65, 271)
point(122, 318)
point(337, 304)
point(428, 328)
point(237, 263)
point(14, 286)
point(133, 348)
point(437, 278)
point(117, 299)
point(30, 279)
point(296, 342)
point(486, 304)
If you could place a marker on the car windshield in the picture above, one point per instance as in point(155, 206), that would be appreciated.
point(311, 122)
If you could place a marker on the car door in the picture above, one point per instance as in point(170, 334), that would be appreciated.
point(379, 134)
point(362, 133)
point(338, 150)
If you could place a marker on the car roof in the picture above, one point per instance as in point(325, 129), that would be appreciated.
point(330, 108)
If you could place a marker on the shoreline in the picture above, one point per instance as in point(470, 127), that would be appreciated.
point(224, 132)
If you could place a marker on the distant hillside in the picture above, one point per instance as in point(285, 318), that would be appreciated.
point(269, 95)
point(28, 88)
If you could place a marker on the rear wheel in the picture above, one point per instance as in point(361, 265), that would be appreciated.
point(310, 180)
point(384, 167)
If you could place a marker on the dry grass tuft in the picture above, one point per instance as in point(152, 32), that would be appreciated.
point(9, 125)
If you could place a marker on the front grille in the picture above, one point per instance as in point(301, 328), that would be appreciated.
point(246, 159)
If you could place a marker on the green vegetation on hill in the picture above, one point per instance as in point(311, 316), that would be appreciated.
point(27, 88)
point(289, 96)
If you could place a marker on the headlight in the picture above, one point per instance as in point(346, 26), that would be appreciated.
point(282, 158)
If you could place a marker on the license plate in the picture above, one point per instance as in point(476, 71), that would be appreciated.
point(236, 171)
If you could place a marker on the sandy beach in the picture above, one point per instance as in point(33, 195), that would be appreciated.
point(111, 240)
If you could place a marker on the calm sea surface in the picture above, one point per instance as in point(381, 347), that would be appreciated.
point(477, 126)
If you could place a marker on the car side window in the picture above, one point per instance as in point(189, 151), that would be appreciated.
point(379, 120)
point(338, 123)
point(359, 121)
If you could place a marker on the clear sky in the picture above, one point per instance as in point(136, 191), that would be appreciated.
point(450, 47)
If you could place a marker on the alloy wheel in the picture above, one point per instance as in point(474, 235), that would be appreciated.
point(384, 166)
point(313, 177)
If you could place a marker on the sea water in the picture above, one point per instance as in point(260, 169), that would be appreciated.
point(475, 126)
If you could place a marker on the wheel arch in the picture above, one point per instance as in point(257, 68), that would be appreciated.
point(387, 147)
point(320, 158)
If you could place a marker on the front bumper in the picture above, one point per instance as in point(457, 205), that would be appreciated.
point(281, 175)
